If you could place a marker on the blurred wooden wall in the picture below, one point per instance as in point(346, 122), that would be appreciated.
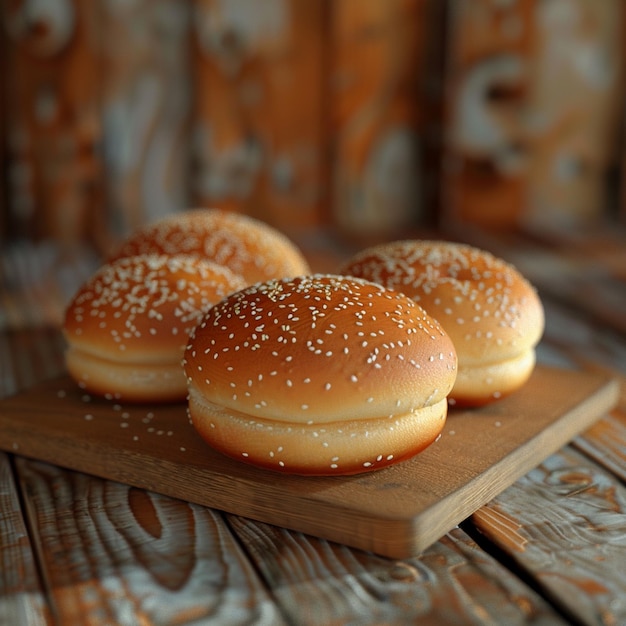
point(97, 99)
point(366, 117)
point(383, 114)
point(258, 138)
point(534, 111)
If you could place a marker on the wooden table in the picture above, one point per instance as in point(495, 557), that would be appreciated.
point(550, 549)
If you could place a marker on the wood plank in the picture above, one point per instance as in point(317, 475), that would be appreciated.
point(571, 123)
point(605, 443)
point(577, 281)
point(117, 555)
point(396, 512)
point(587, 345)
point(521, 146)
point(579, 345)
point(258, 110)
point(37, 281)
point(22, 600)
point(571, 540)
point(52, 92)
point(380, 92)
point(484, 177)
point(452, 582)
point(28, 356)
point(145, 87)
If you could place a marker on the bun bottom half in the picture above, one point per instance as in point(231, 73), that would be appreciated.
point(477, 385)
point(130, 382)
point(324, 449)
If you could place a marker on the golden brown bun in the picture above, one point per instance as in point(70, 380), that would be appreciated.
point(319, 375)
point(245, 245)
point(128, 325)
point(491, 312)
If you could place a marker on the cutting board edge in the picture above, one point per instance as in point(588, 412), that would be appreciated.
point(577, 419)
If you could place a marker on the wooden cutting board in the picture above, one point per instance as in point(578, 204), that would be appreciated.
point(397, 512)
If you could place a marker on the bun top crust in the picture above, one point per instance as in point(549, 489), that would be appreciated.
point(142, 309)
point(246, 246)
point(320, 348)
point(491, 312)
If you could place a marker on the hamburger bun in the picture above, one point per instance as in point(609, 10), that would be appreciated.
point(127, 327)
point(319, 374)
point(247, 246)
point(490, 311)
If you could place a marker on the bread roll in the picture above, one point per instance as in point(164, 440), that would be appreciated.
point(490, 311)
point(319, 374)
point(127, 327)
point(247, 246)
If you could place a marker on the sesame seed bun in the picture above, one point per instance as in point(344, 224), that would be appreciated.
point(127, 327)
point(319, 374)
point(491, 312)
point(247, 246)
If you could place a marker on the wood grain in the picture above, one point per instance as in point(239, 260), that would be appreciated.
point(258, 110)
point(605, 443)
point(23, 601)
point(52, 91)
point(397, 512)
point(571, 540)
point(145, 91)
point(452, 582)
point(485, 90)
point(378, 82)
point(111, 554)
point(28, 356)
point(528, 136)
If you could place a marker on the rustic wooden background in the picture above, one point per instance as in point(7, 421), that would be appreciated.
point(364, 117)
point(498, 121)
